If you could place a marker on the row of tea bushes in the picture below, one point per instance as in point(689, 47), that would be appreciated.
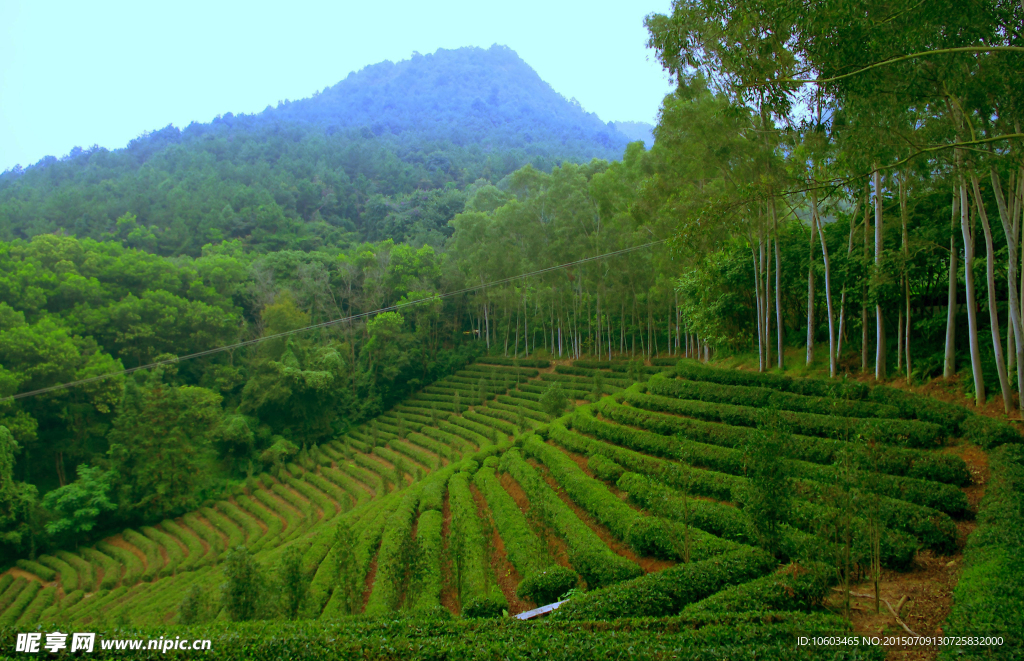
point(588, 554)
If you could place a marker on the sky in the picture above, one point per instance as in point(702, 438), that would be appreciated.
point(85, 73)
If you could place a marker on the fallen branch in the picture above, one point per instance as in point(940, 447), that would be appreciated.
point(887, 605)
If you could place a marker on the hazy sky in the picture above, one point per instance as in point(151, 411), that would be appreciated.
point(84, 73)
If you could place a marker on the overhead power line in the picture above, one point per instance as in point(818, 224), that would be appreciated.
point(325, 324)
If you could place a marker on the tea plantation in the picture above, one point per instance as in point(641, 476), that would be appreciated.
point(646, 507)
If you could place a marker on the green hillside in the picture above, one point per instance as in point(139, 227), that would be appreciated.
point(469, 500)
point(393, 151)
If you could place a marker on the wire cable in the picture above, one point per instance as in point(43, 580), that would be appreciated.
point(324, 324)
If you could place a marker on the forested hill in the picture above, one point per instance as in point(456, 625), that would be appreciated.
point(392, 151)
point(469, 96)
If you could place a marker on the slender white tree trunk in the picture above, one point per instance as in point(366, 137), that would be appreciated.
point(949, 364)
point(842, 300)
point(972, 311)
point(1009, 216)
point(905, 331)
point(760, 315)
point(879, 316)
point(993, 310)
point(832, 356)
point(864, 290)
point(779, 328)
point(810, 289)
point(768, 306)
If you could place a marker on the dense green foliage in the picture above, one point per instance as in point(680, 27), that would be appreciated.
point(991, 588)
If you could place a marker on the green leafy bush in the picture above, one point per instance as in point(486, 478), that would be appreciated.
point(31, 616)
point(595, 498)
point(68, 575)
point(908, 433)
point(990, 433)
point(589, 556)
point(943, 497)
point(523, 548)
point(766, 397)
point(111, 569)
point(394, 555)
point(989, 596)
point(547, 585)
point(667, 592)
point(510, 362)
point(798, 587)
point(21, 600)
point(149, 548)
point(478, 593)
point(425, 591)
point(493, 419)
point(604, 468)
point(696, 371)
point(40, 570)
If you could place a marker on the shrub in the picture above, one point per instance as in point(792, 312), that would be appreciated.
point(909, 433)
point(478, 594)
point(68, 575)
point(668, 591)
point(595, 498)
point(309, 492)
point(988, 598)
point(696, 371)
point(798, 587)
point(520, 362)
point(425, 591)
point(491, 418)
point(215, 543)
point(451, 439)
point(766, 397)
point(547, 585)
point(943, 497)
point(149, 548)
point(243, 594)
point(589, 556)
point(33, 609)
point(14, 588)
point(989, 433)
point(25, 597)
point(40, 570)
point(273, 522)
point(554, 400)
point(470, 431)
point(111, 570)
point(527, 552)
point(416, 454)
point(604, 468)
point(171, 549)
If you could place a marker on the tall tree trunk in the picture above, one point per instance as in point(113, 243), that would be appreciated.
point(1009, 210)
point(993, 309)
point(864, 287)
point(526, 327)
point(768, 306)
point(779, 328)
point(905, 331)
point(899, 334)
point(760, 315)
point(846, 277)
point(949, 363)
point(879, 316)
point(832, 356)
point(810, 290)
point(972, 310)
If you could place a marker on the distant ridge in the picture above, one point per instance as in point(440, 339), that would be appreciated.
point(392, 151)
point(467, 95)
point(636, 131)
